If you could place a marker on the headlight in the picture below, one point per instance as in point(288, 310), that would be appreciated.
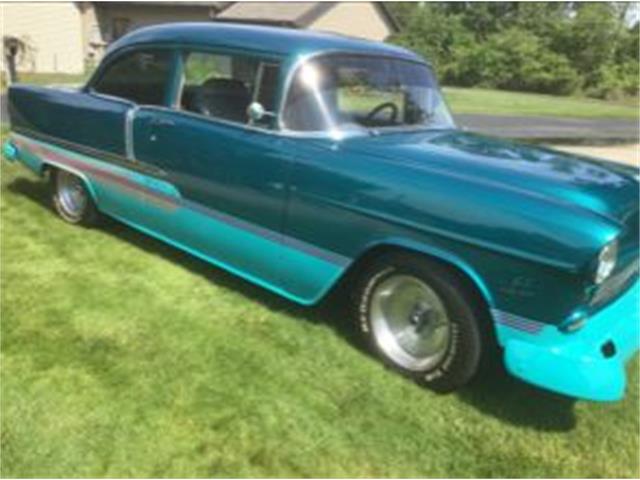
point(606, 261)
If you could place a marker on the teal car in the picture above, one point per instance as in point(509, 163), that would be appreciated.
point(308, 163)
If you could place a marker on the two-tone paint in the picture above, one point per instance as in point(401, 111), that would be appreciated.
point(294, 212)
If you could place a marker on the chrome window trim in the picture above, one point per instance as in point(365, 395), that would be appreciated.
point(258, 82)
point(256, 89)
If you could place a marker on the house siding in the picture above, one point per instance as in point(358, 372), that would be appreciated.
point(54, 46)
point(140, 15)
point(101, 30)
point(360, 19)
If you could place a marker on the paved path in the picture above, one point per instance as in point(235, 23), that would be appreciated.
point(619, 153)
point(566, 130)
point(553, 128)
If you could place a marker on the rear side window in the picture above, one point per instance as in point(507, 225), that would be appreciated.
point(141, 77)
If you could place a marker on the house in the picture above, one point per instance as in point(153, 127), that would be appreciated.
point(369, 20)
point(68, 37)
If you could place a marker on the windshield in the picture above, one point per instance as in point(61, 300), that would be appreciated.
point(336, 93)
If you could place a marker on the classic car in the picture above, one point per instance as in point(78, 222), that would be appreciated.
point(309, 162)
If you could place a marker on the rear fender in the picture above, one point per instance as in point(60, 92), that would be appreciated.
point(46, 165)
point(14, 151)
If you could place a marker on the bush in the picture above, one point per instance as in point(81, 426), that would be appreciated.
point(515, 60)
point(547, 47)
point(616, 81)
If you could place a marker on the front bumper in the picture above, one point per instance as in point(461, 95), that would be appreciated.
point(589, 363)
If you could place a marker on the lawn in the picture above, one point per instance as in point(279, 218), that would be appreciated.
point(498, 102)
point(124, 357)
point(51, 79)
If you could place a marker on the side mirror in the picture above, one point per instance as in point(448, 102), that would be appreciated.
point(256, 112)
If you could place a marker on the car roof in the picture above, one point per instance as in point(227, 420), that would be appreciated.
point(282, 41)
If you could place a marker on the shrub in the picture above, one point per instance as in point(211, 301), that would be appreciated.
point(547, 47)
point(515, 60)
point(616, 81)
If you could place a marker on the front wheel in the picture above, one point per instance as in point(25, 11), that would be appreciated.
point(71, 199)
point(416, 316)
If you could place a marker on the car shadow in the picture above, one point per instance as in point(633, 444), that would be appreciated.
point(493, 392)
point(497, 393)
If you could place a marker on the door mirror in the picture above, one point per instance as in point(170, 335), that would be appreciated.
point(256, 112)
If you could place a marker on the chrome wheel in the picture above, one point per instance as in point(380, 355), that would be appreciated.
point(72, 195)
point(409, 322)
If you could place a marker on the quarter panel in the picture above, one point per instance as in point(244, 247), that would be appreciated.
point(69, 115)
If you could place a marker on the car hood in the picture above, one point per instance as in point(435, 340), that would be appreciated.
point(605, 188)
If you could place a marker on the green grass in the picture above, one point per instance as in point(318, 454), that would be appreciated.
point(52, 78)
point(497, 102)
point(124, 357)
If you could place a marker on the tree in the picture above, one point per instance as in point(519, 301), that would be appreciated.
point(552, 47)
point(595, 33)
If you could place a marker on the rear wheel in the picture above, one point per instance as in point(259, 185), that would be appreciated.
point(71, 199)
point(417, 317)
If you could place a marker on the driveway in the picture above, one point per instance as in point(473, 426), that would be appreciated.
point(554, 129)
point(629, 154)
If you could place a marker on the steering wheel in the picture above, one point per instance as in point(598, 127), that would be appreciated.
point(383, 106)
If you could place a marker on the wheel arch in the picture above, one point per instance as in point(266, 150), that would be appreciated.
point(48, 167)
point(465, 271)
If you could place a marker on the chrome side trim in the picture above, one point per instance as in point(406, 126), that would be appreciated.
point(275, 236)
point(128, 133)
point(515, 321)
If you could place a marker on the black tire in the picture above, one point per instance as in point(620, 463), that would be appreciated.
point(460, 352)
point(86, 213)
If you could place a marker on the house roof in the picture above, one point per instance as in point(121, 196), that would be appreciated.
point(216, 6)
point(286, 14)
point(291, 14)
point(282, 41)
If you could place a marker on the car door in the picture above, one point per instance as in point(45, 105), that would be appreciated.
point(126, 188)
point(230, 176)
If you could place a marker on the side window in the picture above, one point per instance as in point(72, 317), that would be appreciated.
point(141, 77)
point(223, 86)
